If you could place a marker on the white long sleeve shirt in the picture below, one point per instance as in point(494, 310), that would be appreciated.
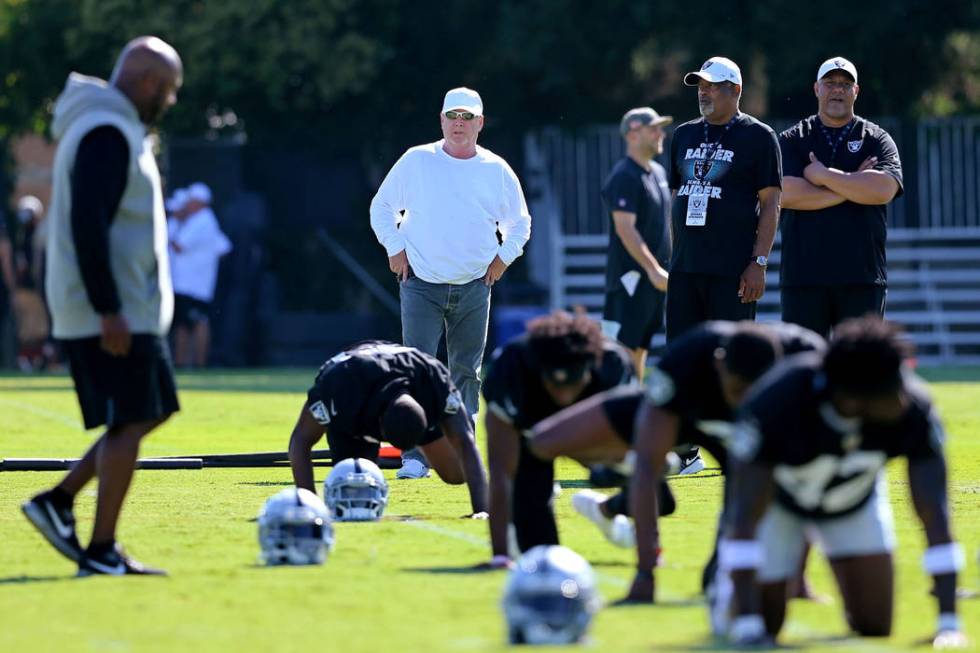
point(202, 244)
point(453, 208)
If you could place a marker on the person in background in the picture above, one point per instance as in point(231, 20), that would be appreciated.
point(196, 247)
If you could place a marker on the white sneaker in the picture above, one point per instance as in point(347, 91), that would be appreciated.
point(618, 530)
point(623, 532)
point(412, 468)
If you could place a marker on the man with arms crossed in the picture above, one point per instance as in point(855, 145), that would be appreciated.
point(839, 173)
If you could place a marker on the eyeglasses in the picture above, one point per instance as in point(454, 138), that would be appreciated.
point(830, 84)
point(457, 115)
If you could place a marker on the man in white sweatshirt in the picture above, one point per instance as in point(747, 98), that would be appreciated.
point(438, 214)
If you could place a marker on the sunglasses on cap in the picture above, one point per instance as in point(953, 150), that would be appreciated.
point(456, 115)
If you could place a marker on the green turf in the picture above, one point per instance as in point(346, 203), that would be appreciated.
point(400, 585)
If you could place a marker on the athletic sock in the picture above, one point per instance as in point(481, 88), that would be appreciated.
point(60, 497)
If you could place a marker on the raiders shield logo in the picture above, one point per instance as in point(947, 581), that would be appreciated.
point(701, 169)
point(854, 146)
point(320, 412)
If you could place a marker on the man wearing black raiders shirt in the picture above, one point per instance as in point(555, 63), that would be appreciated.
point(848, 412)
point(378, 391)
point(561, 359)
point(839, 173)
point(690, 399)
point(636, 195)
point(725, 177)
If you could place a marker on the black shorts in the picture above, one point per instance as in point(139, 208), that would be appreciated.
point(621, 405)
point(820, 308)
point(116, 390)
point(189, 311)
point(696, 298)
point(344, 446)
point(633, 320)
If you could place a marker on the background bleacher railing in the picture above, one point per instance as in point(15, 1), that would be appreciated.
point(933, 243)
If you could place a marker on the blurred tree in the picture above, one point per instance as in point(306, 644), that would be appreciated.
point(367, 74)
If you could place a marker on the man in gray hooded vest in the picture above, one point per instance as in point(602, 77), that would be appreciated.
point(108, 287)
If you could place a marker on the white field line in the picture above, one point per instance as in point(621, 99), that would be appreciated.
point(42, 412)
point(482, 543)
point(797, 628)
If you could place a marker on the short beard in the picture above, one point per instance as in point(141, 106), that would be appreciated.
point(706, 109)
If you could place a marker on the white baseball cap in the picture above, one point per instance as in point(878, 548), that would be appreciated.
point(465, 99)
point(716, 69)
point(176, 201)
point(199, 192)
point(837, 63)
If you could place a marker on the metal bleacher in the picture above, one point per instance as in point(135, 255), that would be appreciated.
point(933, 287)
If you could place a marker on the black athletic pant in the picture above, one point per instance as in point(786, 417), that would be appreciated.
point(531, 511)
point(819, 308)
point(619, 503)
point(696, 298)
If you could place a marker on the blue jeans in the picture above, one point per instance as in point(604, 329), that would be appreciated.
point(463, 311)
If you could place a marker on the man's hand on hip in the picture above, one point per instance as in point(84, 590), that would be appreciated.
point(399, 265)
point(658, 278)
point(116, 338)
point(495, 271)
point(752, 283)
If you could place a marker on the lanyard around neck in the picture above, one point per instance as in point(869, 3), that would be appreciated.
point(833, 142)
point(710, 148)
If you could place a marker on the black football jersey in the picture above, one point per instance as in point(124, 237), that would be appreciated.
point(514, 391)
point(685, 381)
point(825, 465)
point(353, 388)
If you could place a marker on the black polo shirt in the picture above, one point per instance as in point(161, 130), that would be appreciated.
point(632, 189)
point(731, 174)
point(843, 244)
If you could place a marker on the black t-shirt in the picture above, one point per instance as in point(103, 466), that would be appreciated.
point(353, 388)
point(745, 162)
point(843, 244)
point(632, 189)
point(824, 465)
point(514, 391)
point(685, 380)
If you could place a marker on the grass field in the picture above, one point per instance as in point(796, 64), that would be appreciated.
point(398, 585)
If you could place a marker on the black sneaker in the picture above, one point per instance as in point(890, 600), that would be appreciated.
point(55, 522)
point(114, 562)
point(692, 464)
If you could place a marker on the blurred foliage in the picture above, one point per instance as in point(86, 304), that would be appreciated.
point(362, 80)
point(368, 74)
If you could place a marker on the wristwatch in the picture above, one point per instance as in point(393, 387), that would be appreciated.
point(761, 261)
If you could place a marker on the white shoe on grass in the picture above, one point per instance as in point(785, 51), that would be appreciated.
point(412, 468)
point(618, 530)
